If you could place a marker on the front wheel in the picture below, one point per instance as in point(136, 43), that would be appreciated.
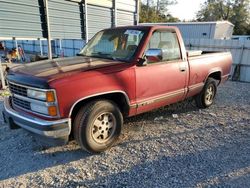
point(97, 125)
point(206, 97)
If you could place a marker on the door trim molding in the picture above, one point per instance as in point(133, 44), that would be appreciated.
point(196, 86)
point(161, 98)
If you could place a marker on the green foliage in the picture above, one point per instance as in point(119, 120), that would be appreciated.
point(235, 11)
point(156, 11)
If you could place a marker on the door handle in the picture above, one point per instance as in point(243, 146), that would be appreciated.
point(183, 68)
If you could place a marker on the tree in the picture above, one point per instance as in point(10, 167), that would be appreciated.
point(156, 11)
point(235, 11)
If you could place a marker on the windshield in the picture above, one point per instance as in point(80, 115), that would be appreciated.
point(119, 44)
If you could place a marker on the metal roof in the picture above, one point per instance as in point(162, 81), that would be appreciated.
point(190, 23)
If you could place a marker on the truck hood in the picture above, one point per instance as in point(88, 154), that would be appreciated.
point(41, 72)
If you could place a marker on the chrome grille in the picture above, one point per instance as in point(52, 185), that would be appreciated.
point(19, 90)
point(21, 103)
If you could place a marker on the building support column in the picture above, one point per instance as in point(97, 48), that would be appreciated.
point(114, 19)
point(48, 29)
point(86, 21)
point(137, 14)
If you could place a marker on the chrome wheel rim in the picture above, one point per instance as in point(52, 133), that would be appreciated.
point(209, 94)
point(103, 127)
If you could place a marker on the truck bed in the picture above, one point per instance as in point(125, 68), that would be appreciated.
point(212, 61)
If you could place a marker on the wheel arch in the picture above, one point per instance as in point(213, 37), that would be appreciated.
point(215, 74)
point(119, 97)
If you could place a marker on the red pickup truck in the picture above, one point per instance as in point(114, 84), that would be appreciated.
point(121, 72)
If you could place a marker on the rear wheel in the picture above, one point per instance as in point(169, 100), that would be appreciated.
point(98, 125)
point(206, 97)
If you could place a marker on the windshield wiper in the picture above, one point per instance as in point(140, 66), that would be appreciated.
point(78, 54)
point(101, 53)
point(98, 54)
point(118, 59)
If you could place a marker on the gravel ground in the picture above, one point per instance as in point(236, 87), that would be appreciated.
point(176, 146)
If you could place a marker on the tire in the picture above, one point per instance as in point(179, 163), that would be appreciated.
point(206, 97)
point(97, 125)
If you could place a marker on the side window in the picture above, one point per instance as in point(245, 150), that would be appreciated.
point(168, 42)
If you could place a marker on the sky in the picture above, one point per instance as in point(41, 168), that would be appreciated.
point(185, 9)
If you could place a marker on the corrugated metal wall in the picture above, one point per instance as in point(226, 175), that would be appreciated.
point(26, 18)
point(125, 18)
point(65, 19)
point(126, 11)
point(240, 52)
point(20, 18)
point(98, 18)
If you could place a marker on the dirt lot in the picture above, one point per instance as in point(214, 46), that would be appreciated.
point(195, 148)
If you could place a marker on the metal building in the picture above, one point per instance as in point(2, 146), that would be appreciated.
point(205, 30)
point(63, 19)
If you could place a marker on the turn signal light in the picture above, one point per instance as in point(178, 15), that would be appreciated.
point(50, 97)
point(52, 110)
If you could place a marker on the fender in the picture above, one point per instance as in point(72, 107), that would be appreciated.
point(214, 70)
point(99, 94)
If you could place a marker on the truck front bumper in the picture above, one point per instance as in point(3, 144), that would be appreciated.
point(53, 129)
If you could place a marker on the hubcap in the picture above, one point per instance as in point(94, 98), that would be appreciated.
point(103, 127)
point(209, 95)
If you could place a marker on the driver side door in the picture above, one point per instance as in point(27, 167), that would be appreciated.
point(161, 83)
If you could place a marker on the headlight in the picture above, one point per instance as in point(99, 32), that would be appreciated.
point(41, 95)
point(39, 108)
point(47, 110)
point(48, 107)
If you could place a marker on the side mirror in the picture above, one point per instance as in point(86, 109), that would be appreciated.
point(154, 55)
